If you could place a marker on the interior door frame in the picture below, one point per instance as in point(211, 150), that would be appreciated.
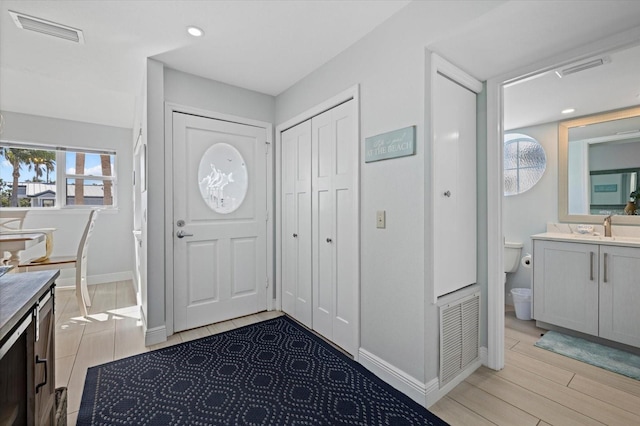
point(349, 94)
point(171, 108)
point(495, 130)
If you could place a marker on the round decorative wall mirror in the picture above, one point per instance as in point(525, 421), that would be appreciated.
point(223, 178)
point(524, 163)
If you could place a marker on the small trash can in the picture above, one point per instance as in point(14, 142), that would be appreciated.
point(522, 302)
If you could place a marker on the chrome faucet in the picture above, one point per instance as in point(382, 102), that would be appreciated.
point(607, 226)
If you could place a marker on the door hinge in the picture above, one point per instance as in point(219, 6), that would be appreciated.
point(266, 147)
point(266, 216)
point(267, 282)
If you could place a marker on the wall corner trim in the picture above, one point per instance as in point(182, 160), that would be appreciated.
point(392, 375)
point(155, 335)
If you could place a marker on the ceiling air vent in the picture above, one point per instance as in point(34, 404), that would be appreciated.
point(32, 23)
point(583, 66)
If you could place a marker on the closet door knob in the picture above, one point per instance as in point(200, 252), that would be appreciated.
point(447, 194)
point(295, 235)
point(329, 240)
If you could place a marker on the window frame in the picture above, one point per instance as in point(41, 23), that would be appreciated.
point(62, 176)
point(517, 138)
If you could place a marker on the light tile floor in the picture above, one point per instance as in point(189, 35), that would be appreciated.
point(112, 330)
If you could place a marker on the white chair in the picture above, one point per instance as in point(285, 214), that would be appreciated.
point(10, 220)
point(79, 262)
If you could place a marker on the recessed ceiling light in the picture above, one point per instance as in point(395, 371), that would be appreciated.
point(195, 31)
point(568, 110)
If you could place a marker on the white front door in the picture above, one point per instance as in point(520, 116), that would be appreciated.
point(219, 220)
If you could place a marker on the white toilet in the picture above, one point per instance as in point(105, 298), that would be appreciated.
point(512, 252)
point(521, 296)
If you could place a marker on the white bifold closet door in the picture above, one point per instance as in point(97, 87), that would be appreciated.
point(335, 225)
point(333, 217)
point(296, 222)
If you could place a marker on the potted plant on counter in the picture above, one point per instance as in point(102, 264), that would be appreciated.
point(632, 205)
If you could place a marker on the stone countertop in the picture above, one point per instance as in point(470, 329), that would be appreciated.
point(588, 239)
point(18, 293)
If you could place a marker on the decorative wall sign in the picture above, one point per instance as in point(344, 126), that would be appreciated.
point(394, 144)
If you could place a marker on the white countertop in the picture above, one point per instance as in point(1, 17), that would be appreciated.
point(589, 239)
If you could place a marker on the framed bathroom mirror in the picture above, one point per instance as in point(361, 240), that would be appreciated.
point(598, 166)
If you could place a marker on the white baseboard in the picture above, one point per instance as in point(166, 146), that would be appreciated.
point(70, 281)
point(397, 378)
point(155, 335)
point(484, 355)
point(152, 336)
point(110, 278)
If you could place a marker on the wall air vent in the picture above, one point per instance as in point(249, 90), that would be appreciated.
point(583, 66)
point(459, 335)
point(43, 26)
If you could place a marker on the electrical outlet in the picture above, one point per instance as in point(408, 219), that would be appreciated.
point(380, 219)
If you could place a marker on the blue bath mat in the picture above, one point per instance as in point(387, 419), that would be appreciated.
point(611, 359)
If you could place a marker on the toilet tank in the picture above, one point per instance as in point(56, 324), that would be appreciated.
point(512, 252)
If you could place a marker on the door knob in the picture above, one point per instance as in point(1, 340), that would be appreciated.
point(182, 234)
point(329, 240)
point(295, 235)
point(447, 194)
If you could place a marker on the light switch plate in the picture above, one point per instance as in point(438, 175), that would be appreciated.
point(380, 219)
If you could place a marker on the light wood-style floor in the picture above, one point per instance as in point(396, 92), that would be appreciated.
point(537, 387)
point(111, 331)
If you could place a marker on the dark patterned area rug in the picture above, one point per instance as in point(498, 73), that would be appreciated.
point(271, 373)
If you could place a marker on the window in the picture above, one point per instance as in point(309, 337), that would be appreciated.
point(524, 163)
point(89, 178)
point(56, 176)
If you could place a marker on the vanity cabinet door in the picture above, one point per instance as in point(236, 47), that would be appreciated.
point(565, 285)
point(620, 294)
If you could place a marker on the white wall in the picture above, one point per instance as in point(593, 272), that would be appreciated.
point(111, 245)
point(152, 287)
point(389, 65)
point(528, 213)
point(168, 85)
point(193, 91)
point(609, 156)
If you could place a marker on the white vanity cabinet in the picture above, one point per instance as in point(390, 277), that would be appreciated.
point(565, 285)
point(593, 288)
point(620, 294)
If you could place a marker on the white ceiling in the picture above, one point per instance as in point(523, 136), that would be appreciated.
point(267, 46)
point(518, 34)
point(264, 46)
point(611, 86)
